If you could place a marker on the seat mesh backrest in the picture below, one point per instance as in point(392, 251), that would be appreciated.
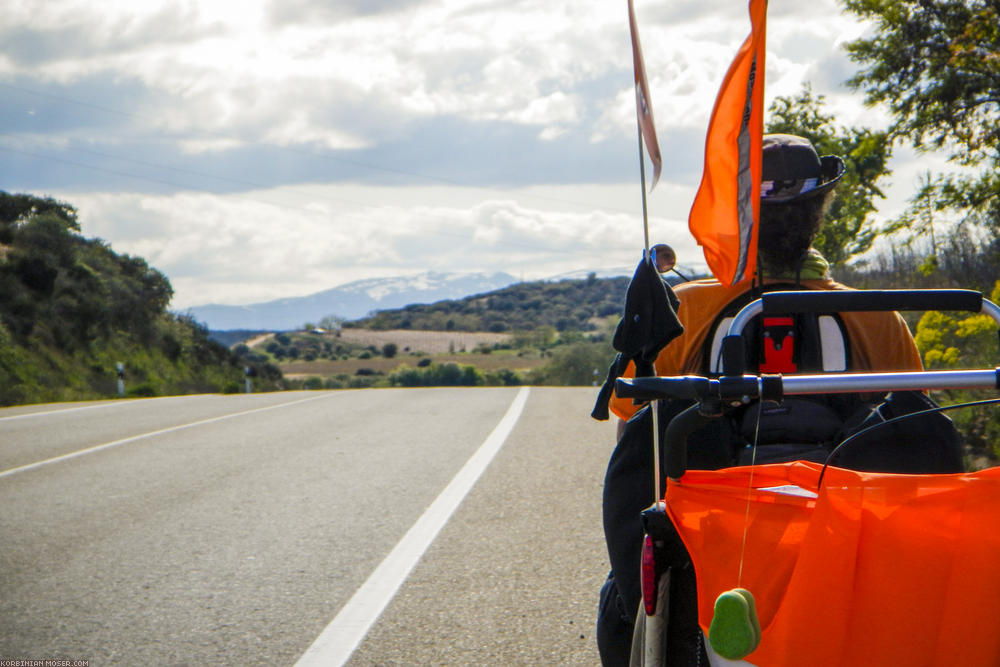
point(820, 340)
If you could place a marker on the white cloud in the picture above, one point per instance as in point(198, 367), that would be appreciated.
point(209, 145)
point(249, 248)
point(301, 100)
point(316, 81)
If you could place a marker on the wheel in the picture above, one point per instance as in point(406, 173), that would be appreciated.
point(649, 640)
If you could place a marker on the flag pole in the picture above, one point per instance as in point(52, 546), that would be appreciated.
point(642, 184)
point(655, 405)
point(647, 135)
point(644, 122)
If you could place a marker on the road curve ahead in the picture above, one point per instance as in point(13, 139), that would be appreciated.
point(226, 530)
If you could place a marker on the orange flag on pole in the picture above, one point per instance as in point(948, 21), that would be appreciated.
point(725, 211)
point(643, 107)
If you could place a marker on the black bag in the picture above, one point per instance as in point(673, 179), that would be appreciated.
point(628, 486)
point(797, 429)
point(925, 444)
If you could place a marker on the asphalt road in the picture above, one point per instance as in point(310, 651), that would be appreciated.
point(224, 530)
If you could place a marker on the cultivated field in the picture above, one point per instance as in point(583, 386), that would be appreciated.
point(443, 346)
point(409, 341)
point(484, 362)
point(430, 342)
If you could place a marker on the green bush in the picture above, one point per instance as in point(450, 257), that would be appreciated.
point(961, 340)
point(503, 377)
point(437, 375)
point(574, 364)
point(144, 390)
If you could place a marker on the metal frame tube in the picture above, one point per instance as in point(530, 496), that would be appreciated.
point(838, 383)
point(755, 308)
point(692, 386)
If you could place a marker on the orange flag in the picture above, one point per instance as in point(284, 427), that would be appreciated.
point(643, 107)
point(725, 211)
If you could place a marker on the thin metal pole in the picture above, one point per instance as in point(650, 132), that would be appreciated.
point(642, 177)
point(654, 405)
point(657, 494)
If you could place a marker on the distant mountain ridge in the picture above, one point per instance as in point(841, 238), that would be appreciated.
point(350, 301)
point(568, 305)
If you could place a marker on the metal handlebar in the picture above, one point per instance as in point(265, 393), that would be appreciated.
point(736, 390)
point(775, 387)
point(830, 301)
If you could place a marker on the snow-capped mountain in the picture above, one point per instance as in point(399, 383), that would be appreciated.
point(627, 271)
point(349, 301)
point(599, 273)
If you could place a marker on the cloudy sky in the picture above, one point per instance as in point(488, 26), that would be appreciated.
point(259, 149)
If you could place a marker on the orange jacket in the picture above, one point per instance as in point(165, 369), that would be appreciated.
point(879, 341)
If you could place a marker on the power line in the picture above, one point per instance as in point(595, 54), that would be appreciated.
point(341, 217)
point(303, 152)
point(182, 170)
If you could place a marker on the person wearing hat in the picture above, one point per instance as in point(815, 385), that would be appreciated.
point(796, 190)
point(797, 187)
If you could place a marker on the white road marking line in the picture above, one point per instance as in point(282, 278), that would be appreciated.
point(342, 636)
point(46, 413)
point(111, 403)
point(115, 443)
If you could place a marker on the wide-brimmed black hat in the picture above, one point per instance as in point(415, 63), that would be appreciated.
point(792, 170)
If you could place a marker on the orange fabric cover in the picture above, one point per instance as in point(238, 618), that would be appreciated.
point(881, 569)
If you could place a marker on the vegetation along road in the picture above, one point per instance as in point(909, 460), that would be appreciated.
point(246, 529)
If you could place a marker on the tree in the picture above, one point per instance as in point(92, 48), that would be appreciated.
point(16, 209)
point(849, 229)
point(332, 322)
point(949, 340)
point(579, 364)
point(936, 65)
point(919, 220)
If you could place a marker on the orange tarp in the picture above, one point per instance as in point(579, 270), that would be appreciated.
point(879, 569)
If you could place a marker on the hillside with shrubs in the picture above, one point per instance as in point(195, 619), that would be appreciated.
point(72, 309)
point(565, 305)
